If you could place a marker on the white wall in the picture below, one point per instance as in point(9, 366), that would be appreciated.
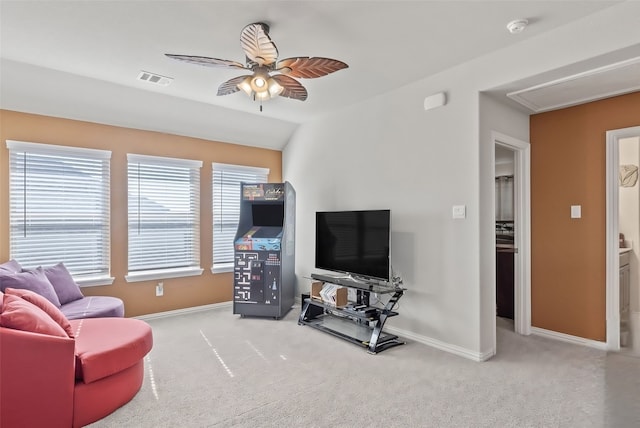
point(390, 153)
point(494, 116)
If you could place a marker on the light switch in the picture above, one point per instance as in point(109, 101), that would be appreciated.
point(459, 211)
point(576, 211)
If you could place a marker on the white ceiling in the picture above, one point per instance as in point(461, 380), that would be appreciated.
point(598, 83)
point(80, 59)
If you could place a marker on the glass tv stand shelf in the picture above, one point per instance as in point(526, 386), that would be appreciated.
point(356, 322)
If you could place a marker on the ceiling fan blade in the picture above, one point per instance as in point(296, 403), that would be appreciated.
point(309, 68)
point(206, 61)
point(257, 45)
point(292, 88)
point(230, 86)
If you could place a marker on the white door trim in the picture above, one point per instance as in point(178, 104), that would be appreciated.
point(522, 235)
point(612, 245)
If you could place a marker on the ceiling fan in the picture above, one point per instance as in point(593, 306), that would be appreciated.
point(270, 78)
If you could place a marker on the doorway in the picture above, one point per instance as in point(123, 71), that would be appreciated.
point(521, 228)
point(506, 249)
point(622, 252)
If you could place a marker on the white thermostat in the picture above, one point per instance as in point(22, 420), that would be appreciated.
point(459, 211)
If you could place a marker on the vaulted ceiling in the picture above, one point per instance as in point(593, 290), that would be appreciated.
point(81, 59)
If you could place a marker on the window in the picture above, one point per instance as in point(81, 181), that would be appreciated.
point(164, 217)
point(226, 208)
point(59, 209)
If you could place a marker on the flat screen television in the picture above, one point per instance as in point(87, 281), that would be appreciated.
point(356, 243)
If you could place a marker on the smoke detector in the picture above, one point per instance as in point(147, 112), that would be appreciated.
point(517, 26)
point(156, 79)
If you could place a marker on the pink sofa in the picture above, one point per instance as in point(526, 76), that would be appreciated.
point(61, 373)
point(56, 284)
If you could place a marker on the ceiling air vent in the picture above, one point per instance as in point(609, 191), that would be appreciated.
point(154, 78)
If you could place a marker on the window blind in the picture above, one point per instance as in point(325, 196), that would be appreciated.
point(226, 206)
point(59, 207)
point(164, 213)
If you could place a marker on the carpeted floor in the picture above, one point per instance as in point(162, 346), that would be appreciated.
point(215, 369)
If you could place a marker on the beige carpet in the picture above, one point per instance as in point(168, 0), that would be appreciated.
point(215, 369)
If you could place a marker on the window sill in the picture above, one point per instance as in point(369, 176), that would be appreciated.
point(95, 281)
point(150, 275)
point(222, 268)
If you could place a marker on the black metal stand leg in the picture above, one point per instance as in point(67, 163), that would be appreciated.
point(375, 335)
point(303, 314)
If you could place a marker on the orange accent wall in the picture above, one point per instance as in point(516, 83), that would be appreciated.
point(568, 256)
point(139, 297)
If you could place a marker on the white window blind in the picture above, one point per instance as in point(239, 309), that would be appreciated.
point(59, 207)
point(164, 213)
point(226, 206)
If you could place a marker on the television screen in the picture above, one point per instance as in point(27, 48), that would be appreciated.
point(354, 242)
point(267, 214)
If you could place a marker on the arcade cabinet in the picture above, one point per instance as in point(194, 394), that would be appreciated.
point(264, 276)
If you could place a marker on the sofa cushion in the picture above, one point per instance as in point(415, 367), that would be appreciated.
point(11, 266)
point(93, 307)
point(105, 346)
point(63, 284)
point(19, 314)
point(34, 280)
point(45, 305)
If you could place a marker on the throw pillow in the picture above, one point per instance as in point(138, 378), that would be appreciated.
point(45, 305)
point(11, 266)
point(65, 287)
point(34, 280)
point(19, 314)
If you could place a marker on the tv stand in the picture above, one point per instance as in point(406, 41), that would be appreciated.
point(356, 322)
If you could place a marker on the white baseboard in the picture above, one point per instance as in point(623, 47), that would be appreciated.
point(576, 340)
point(438, 344)
point(184, 311)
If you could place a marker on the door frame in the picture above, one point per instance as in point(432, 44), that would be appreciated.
point(612, 230)
point(522, 228)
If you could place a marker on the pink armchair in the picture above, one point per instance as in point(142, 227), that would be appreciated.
point(54, 381)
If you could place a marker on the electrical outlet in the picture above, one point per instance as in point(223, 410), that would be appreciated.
point(159, 289)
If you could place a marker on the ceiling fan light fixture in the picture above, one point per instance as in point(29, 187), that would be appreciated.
point(262, 96)
point(260, 86)
point(275, 88)
point(259, 79)
point(259, 82)
point(245, 85)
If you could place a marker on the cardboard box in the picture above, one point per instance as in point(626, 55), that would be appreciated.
point(341, 297)
point(316, 286)
point(337, 299)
